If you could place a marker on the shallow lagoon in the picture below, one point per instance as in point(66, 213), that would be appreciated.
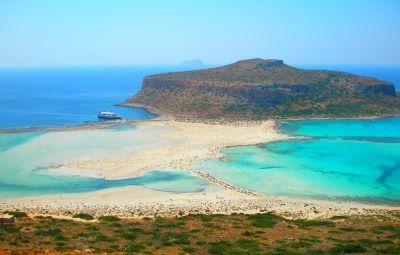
point(25, 159)
point(331, 159)
point(345, 159)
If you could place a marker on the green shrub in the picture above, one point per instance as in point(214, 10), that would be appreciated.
point(265, 220)
point(347, 248)
point(219, 248)
point(51, 232)
point(60, 237)
point(181, 238)
point(81, 234)
point(92, 228)
point(129, 236)
point(285, 251)
point(350, 229)
point(392, 250)
point(395, 235)
point(188, 249)
point(10, 229)
point(248, 233)
point(103, 238)
point(135, 248)
point(17, 214)
point(14, 243)
point(388, 228)
point(109, 218)
point(114, 248)
point(201, 242)
point(136, 230)
point(339, 217)
point(248, 245)
point(83, 216)
point(313, 223)
point(300, 244)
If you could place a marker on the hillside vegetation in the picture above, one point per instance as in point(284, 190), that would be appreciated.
point(203, 234)
point(257, 88)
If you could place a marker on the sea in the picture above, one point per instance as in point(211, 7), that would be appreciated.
point(327, 159)
point(65, 96)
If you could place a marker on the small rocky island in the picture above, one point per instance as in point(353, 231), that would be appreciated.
point(258, 88)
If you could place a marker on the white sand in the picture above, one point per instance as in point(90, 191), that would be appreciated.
point(182, 144)
point(179, 145)
point(135, 202)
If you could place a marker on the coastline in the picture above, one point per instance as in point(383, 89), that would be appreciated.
point(377, 117)
point(186, 143)
point(181, 144)
point(162, 116)
point(157, 113)
point(83, 126)
point(135, 202)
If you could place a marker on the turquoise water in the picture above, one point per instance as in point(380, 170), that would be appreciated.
point(337, 159)
point(25, 159)
point(340, 159)
point(349, 159)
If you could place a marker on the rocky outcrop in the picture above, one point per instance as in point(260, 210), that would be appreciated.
point(258, 88)
point(383, 88)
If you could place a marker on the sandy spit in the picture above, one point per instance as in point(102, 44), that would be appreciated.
point(183, 144)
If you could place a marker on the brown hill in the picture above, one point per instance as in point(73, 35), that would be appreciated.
point(258, 88)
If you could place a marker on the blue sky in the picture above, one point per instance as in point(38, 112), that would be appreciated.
point(76, 32)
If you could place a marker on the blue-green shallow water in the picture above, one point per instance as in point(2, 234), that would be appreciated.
point(47, 184)
point(341, 159)
point(25, 159)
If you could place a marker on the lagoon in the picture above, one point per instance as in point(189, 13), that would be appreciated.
point(331, 159)
point(26, 159)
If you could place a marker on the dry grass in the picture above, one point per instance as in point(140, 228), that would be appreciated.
point(203, 234)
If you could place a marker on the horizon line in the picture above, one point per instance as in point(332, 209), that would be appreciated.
point(207, 65)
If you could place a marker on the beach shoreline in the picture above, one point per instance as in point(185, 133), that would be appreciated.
point(184, 143)
point(135, 202)
point(377, 117)
point(161, 116)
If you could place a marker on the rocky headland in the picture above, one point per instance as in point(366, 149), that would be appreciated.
point(258, 88)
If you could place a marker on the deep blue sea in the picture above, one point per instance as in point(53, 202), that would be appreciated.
point(32, 97)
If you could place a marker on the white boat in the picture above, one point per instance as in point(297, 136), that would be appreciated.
point(108, 116)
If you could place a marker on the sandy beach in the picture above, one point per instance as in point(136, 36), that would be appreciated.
point(136, 202)
point(181, 143)
point(178, 144)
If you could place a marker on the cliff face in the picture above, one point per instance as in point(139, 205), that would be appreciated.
point(258, 88)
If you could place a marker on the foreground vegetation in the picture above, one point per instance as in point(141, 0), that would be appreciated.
point(202, 234)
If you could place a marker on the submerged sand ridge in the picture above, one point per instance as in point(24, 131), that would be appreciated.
point(181, 144)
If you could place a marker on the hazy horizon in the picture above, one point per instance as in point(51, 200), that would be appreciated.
point(206, 65)
point(46, 33)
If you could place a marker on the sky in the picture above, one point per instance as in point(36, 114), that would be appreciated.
point(125, 32)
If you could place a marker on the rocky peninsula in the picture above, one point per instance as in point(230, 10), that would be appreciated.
point(259, 89)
